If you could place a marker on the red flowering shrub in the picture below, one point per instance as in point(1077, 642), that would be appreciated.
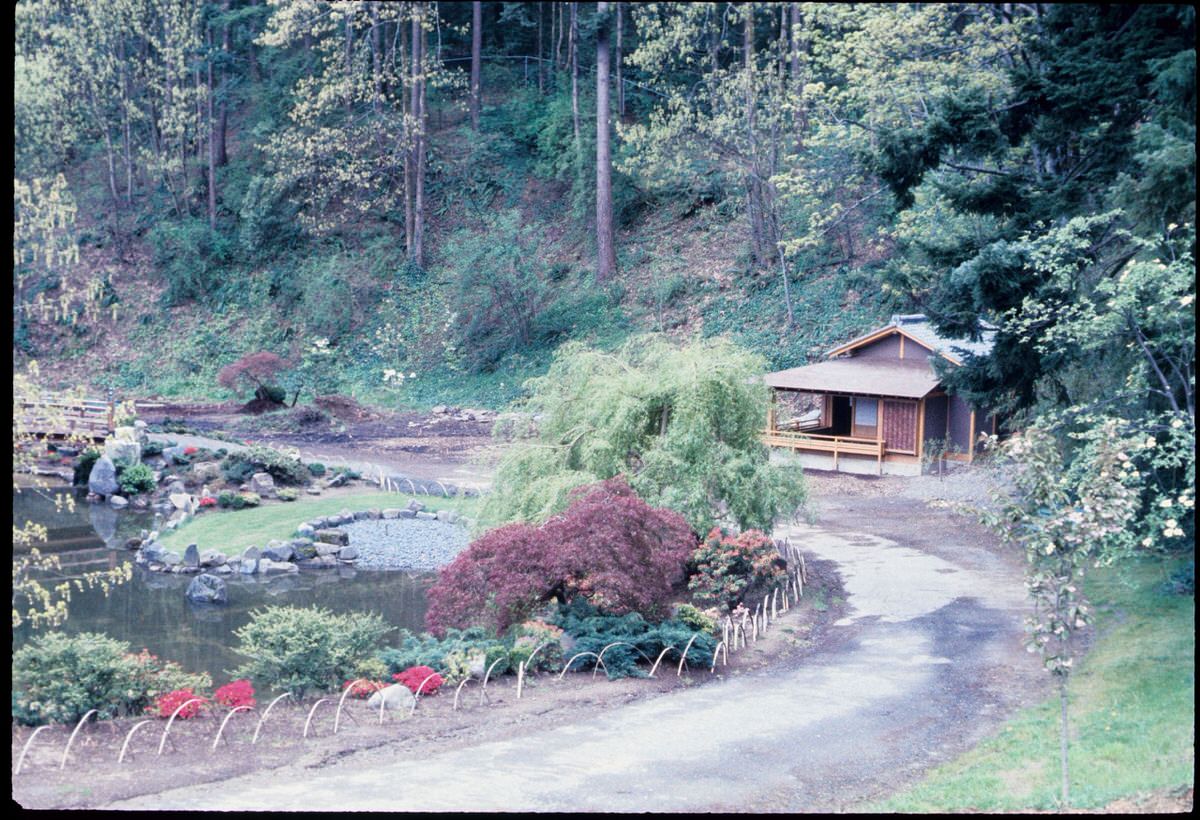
point(238, 693)
point(208, 501)
point(414, 675)
point(608, 546)
point(190, 451)
point(166, 704)
point(363, 689)
point(727, 567)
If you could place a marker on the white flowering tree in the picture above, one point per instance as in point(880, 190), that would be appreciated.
point(1065, 519)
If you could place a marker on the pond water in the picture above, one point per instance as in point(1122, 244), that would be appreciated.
point(151, 610)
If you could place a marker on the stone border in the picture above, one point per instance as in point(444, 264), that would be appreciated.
point(318, 544)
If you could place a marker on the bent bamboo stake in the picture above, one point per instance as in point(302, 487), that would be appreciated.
point(775, 604)
point(124, 745)
point(486, 675)
point(167, 728)
point(683, 660)
point(420, 687)
point(311, 711)
point(465, 681)
point(266, 712)
point(721, 648)
point(577, 657)
point(526, 664)
point(220, 731)
point(660, 657)
point(337, 716)
point(71, 739)
point(21, 759)
point(600, 657)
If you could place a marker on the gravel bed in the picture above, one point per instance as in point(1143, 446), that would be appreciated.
point(405, 543)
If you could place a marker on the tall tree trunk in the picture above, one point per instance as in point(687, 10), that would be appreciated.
point(476, 47)
point(410, 165)
point(125, 125)
point(620, 58)
point(606, 263)
point(421, 120)
point(573, 52)
point(223, 111)
point(795, 47)
point(252, 56)
point(376, 60)
point(558, 45)
point(541, 7)
point(212, 151)
point(414, 109)
point(349, 63)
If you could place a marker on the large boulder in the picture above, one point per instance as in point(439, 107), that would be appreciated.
point(180, 501)
point(304, 548)
point(278, 552)
point(212, 558)
point(207, 589)
point(267, 566)
point(191, 556)
point(103, 478)
point(206, 471)
point(263, 484)
point(127, 449)
point(333, 536)
point(394, 697)
point(349, 553)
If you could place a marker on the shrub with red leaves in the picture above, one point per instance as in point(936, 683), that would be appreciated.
point(190, 451)
point(414, 675)
point(254, 369)
point(608, 546)
point(362, 689)
point(727, 567)
point(238, 693)
point(166, 704)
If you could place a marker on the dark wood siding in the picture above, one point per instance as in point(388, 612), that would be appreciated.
point(935, 419)
point(960, 424)
point(900, 426)
point(886, 348)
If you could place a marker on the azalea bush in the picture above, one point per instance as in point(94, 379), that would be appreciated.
point(208, 501)
point(419, 676)
point(235, 694)
point(165, 705)
point(728, 567)
point(362, 689)
point(608, 547)
point(298, 649)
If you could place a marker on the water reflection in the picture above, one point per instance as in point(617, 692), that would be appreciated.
point(151, 610)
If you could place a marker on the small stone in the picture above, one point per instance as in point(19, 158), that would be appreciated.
point(251, 553)
point(427, 516)
point(414, 505)
point(391, 513)
point(408, 514)
point(171, 559)
point(348, 553)
point(313, 490)
point(118, 502)
point(278, 551)
point(212, 558)
point(333, 536)
point(306, 531)
point(304, 549)
point(326, 549)
point(248, 566)
point(361, 515)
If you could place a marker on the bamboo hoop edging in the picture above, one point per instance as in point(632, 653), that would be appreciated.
point(311, 712)
point(417, 694)
point(221, 731)
point(686, 649)
point(337, 716)
point(167, 728)
point(266, 712)
point(459, 689)
point(28, 743)
point(128, 737)
point(71, 739)
point(487, 675)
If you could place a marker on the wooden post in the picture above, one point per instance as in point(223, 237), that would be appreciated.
point(901, 345)
point(920, 429)
point(771, 413)
point(971, 440)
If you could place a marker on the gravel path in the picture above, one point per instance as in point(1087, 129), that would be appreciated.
point(405, 543)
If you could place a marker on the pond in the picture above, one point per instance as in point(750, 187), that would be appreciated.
point(151, 611)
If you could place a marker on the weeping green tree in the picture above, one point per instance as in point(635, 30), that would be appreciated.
point(681, 422)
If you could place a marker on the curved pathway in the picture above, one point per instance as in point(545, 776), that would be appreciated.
point(925, 663)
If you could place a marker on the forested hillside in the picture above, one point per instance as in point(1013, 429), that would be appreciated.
point(405, 202)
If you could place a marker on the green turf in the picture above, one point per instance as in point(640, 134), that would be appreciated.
point(232, 531)
point(1132, 714)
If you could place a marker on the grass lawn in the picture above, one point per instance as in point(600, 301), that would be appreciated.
point(1132, 714)
point(232, 531)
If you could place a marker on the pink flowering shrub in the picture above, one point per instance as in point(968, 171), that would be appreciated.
point(166, 705)
point(727, 567)
point(238, 693)
point(413, 677)
point(608, 546)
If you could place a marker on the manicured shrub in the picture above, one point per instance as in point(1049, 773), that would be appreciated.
point(316, 468)
point(419, 676)
point(136, 478)
point(152, 448)
point(636, 639)
point(697, 619)
point(609, 547)
point(250, 499)
point(84, 464)
point(287, 494)
point(57, 678)
point(298, 649)
point(165, 705)
point(236, 693)
point(727, 567)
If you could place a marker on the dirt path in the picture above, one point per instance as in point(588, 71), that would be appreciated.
point(926, 661)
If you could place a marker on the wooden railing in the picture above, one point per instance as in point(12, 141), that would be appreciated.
point(837, 445)
point(55, 415)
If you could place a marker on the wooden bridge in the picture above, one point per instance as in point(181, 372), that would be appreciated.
point(61, 416)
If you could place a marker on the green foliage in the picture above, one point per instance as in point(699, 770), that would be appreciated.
point(284, 468)
point(191, 257)
point(638, 640)
point(681, 422)
point(287, 494)
point(58, 678)
point(250, 499)
point(316, 468)
point(728, 568)
point(153, 448)
point(452, 656)
point(696, 619)
point(302, 649)
point(539, 636)
point(136, 478)
point(231, 500)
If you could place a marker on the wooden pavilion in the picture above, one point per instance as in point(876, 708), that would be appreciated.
point(876, 404)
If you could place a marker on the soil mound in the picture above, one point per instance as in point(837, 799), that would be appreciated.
point(344, 408)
